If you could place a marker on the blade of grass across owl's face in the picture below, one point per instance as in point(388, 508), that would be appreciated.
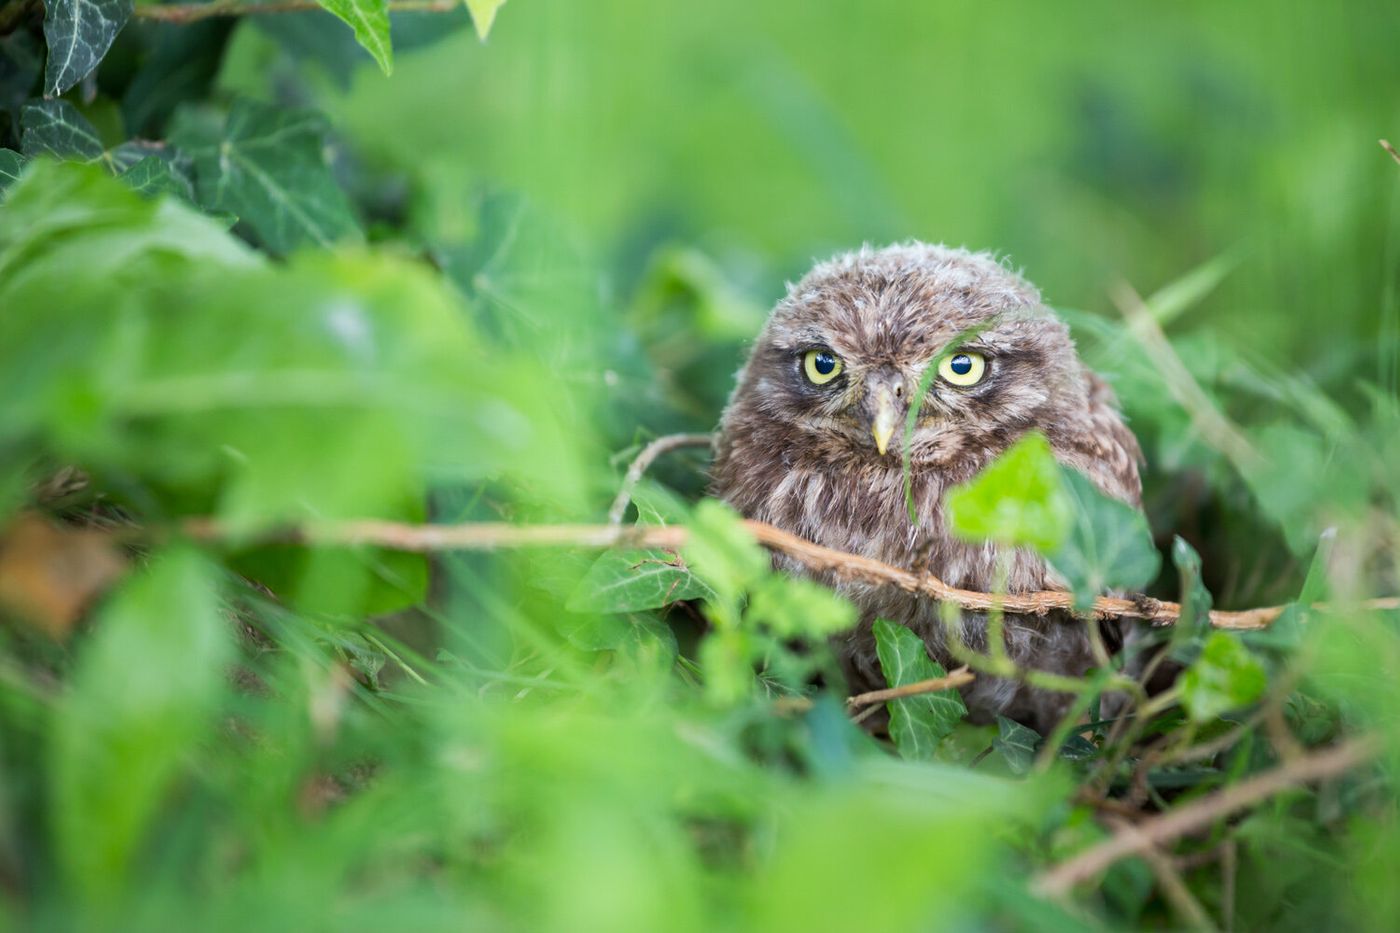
point(911, 418)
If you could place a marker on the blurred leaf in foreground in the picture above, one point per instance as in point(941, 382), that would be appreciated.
point(1019, 499)
point(143, 688)
point(629, 580)
point(917, 723)
point(1225, 677)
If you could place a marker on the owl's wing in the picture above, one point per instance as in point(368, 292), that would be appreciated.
point(1105, 448)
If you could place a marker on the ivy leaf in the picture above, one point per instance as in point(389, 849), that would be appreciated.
point(153, 175)
point(1109, 545)
point(267, 166)
point(631, 580)
point(1017, 744)
point(11, 164)
point(370, 20)
point(79, 33)
point(918, 723)
point(484, 15)
point(1193, 624)
point(1225, 677)
point(1019, 499)
point(56, 128)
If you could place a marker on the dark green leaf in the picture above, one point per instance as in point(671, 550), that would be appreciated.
point(1109, 545)
point(154, 175)
point(917, 723)
point(1225, 677)
point(370, 21)
point(630, 580)
point(1019, 499)
point(267, 166)
point(79, 33)
point(11, 164)
point(1193, 624)
point(56, 128)
point(1017, 744)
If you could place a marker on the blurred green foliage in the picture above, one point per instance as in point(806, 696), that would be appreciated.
point(269, 286)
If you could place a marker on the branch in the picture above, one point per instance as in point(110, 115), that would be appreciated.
point(1200, 813)
point(645, 459)
point(1385, 144)
point(194, 12)
point(490, 536)
point(955, 679)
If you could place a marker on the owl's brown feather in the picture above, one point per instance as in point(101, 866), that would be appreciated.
point(802, 456)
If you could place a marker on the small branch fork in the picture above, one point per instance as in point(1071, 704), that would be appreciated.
point(1149, 834)
point(489, 536)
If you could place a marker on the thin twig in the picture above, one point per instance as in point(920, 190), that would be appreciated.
point(489, 536)
point(1385, 144)
point(194, 12)
point(1200, 813)
point(1168, 878)
point(644, 460)
point(955, 678)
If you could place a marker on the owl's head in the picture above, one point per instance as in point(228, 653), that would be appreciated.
point(844, 354)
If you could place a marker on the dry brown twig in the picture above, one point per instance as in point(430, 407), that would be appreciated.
point(650, 452)
point(487, 536)
point(1169, 826)
point(182, 13)
point(1385, 144)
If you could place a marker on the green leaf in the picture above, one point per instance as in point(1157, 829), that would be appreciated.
point(267, 166)
point(796, 608)
point(79, 33)
point(370, 20)
point(142, 691)
point(1019, 499)
point(722, 551)
point(56, 128)
point(1193, 625)
point(630, 580)
point(1109, 545)
point(153, 175)
point(1225, 677)
point(484, 15)
point(1017, 744)
point(11, 164)
point(918, 723)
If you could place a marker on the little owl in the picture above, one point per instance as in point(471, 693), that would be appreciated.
point(812, 442)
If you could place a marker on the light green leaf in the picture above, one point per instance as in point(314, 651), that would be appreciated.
point(1017, 744)
point(267, 166)
point(1225, 677)
point(795, 608)
point(722, 552)
point(484, 15)
point(1188, 290)
point(56, 128)
point(370, 20)
point(1019, 499)
point(1109, 545)
point(1193, 624)
point(79, 33)
point(918, 723)
point(11, 164)
point(631, 580)
point(144, 686)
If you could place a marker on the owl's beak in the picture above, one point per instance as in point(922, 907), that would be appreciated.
point(885, 416)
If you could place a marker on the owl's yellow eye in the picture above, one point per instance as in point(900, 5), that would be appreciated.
point(963, 368)
point(821, 366)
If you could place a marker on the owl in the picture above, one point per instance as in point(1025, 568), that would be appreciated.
point(812, 441)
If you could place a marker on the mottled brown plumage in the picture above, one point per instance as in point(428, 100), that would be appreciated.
point(803, 456)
